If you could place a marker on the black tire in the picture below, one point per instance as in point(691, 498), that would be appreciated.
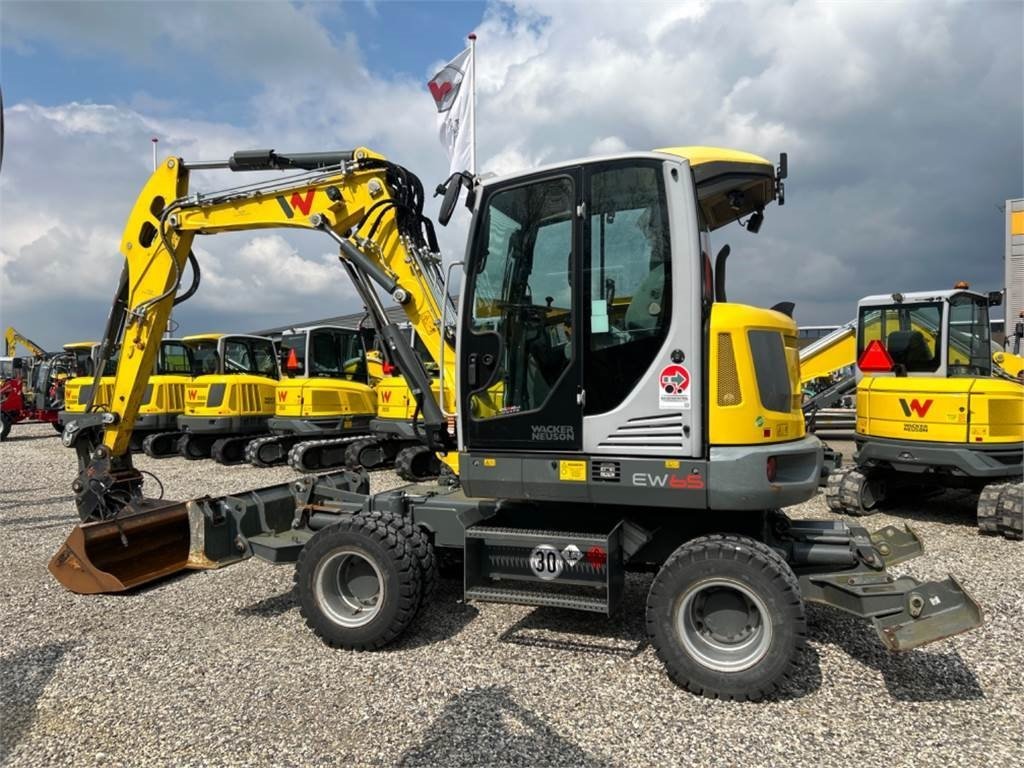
point(423, 549)
point(57, 427)
point(376, 541)
point(849, 491)
point(727, 572)
point(6, 422)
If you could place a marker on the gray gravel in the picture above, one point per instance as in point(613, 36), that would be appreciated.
point(218, 668)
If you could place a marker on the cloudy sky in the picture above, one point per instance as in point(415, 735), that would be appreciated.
point(903, 123)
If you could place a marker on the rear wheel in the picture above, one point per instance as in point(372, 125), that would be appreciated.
point(359, 582)
point(57, 427)
point(726, 618)
point(849, 491)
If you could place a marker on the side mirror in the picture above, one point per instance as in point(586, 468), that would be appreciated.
point(995, 298)
point(451, 189)
point(755, 221)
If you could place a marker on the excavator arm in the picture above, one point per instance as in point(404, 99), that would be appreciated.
point(370, 207)
point(13, 338)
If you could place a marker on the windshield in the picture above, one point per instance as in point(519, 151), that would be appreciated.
point(293, 354)
point(911, 333)
point(204, 357)
point(253, 356)
point(174, 358)
point(970, 347)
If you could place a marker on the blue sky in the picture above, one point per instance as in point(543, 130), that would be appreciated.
point(903, 123)
point(403, 39)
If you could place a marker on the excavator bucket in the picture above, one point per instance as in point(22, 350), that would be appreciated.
point(159, 538)
point(115, 555)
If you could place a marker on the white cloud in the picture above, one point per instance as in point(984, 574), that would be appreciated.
point(903, 135)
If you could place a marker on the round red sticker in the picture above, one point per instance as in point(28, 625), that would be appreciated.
point(674, 379)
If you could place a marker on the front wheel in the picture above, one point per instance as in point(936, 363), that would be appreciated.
point(359, 582)
point(726, 618)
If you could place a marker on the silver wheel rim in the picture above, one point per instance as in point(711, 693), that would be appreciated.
point(723, 625)
point(349, 588)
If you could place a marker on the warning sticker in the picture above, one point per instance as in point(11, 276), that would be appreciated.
point(572, 555)
point(574, 471)
point(674, 388)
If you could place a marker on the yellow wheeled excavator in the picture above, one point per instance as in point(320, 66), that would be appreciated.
point(932, 412)
point(323, 402)
point(614, 413)
point(231, 399)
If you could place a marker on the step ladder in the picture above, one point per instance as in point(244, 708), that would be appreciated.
point(561, 569)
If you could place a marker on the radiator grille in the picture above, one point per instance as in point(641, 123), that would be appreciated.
point(728, 378)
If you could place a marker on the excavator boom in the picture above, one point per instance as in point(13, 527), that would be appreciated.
point(370, 207)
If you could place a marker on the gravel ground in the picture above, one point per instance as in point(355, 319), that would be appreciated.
point(218, 668)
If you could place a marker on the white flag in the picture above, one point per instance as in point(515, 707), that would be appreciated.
point(451, 89)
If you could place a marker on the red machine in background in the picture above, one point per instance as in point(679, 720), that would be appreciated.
point(31, 388)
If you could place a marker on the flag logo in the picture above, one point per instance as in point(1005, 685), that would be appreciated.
point(444, 87)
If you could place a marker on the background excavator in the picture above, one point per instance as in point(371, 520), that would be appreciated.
point(31, 387)
point(231, 399)
point(324, 400)
point(396, 439)
point(597, 433)
point(932, 410)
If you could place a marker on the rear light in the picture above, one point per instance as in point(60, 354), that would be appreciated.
point(875, 358)
point(771, 468)
point(387, 368)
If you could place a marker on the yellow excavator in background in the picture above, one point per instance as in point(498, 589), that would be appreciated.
point(615, 412)
point(324, 400)
point(231, 398)
point(13, 338)
point(932, 412)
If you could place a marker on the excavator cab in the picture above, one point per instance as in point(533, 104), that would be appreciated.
point(229, 402)
point(323, 401)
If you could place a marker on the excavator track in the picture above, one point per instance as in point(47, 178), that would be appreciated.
point(315, 455)
point(160, 445)
point(372, 453)
point(269, 451)
point(194, 447)
point(1001, 510)
point(230, 450)
point(416, 463)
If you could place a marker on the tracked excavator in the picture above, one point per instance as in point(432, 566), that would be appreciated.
point(231, 400)
point(323, 402)
point(395, 439)
point(932, 412)
point(615, 413)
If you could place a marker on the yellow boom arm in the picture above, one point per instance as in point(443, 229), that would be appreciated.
point(13, 339)
point(352, 199)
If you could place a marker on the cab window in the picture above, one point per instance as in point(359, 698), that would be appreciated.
point(629, 283)
point(912, 334)
point(970, 339)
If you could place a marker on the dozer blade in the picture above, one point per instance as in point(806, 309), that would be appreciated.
point(934, 611)
point(115, 555)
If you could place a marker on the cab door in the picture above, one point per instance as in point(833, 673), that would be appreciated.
point(519, 366)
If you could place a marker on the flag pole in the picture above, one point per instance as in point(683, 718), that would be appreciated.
point(472, 105)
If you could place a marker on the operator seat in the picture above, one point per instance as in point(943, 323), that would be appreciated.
point(909, 349)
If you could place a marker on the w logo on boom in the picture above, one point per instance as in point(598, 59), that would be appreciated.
point(915, 406)
point(303, 202)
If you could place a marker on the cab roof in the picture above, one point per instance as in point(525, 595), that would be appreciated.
point(81, 344)
point(730, 183)
point(202, 337)
point(916, 297)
